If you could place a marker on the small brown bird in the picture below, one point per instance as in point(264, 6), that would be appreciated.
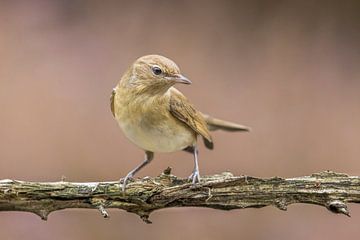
point(156, 116)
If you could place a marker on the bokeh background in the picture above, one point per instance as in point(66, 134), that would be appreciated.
point(288, 69)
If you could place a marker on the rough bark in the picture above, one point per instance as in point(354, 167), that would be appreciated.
point(143, 196)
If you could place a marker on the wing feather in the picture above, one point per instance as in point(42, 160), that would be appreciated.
point(183, 110)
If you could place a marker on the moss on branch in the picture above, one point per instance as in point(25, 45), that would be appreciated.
point(143, 196)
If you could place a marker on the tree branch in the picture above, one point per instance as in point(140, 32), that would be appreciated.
point(143, 196)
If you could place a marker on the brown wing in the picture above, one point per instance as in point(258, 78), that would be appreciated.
point(182, 109)
point(112, 96)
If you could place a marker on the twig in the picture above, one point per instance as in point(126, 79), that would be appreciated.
point(143, 196)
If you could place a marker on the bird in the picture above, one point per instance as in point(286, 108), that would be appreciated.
point(157, 117)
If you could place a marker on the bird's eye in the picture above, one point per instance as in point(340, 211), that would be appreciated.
point(156, 70)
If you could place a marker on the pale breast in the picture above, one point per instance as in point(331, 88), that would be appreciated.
point(153, 128)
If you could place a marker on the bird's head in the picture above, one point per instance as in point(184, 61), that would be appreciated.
point(153, 74)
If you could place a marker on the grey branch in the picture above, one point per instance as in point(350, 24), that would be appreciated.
point(143, 196)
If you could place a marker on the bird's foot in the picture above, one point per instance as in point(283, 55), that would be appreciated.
point(195, 176)
point(123, 181)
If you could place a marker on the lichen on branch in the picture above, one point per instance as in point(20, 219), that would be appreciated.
point(143, 196)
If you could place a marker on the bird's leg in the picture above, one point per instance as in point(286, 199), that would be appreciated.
point(148, 157)
point(190, 149)
point(195, 176)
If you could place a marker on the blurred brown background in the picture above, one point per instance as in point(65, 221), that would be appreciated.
point(288, 69)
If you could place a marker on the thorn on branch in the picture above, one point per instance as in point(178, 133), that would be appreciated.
point(103, 211)
point(43, 214)
point(337, 206)
point(167, 171)
point(99, 204)
point(145, 217)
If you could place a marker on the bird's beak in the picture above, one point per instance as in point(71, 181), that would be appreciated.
point(178, 78)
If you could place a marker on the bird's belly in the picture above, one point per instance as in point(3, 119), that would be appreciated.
point(160, 136)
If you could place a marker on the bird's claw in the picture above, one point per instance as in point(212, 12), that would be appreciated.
point(195, 177)
point(123, 181)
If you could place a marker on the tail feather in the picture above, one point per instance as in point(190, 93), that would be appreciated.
point(215, 124)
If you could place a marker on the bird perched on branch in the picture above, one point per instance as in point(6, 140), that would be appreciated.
point(159, 118)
